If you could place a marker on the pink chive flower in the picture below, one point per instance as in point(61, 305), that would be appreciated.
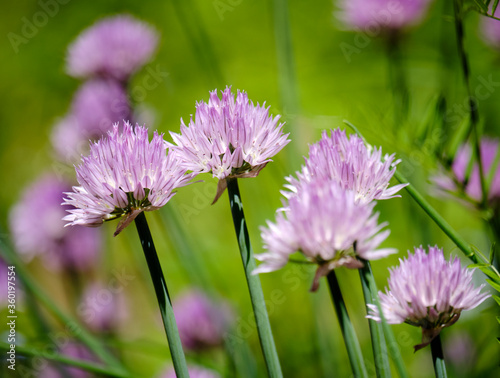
point(194, 372)
point(490, 30)
point(388, 15)
point(113, 47)
point(71, 350)
point(97, 105)
point(327, 225)
point(102, 308)
point(37, 228)
point(123, 175)
point(349, 163)
point(201, 321)
point(427, 291)
point(466, 178)
point(229, 137)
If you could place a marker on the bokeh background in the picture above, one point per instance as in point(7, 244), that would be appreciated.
point(292, 55)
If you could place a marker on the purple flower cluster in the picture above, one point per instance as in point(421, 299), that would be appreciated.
point(201, 321)
point(349, 163)
point(427, 291)
point(229, 137)
point(113, 47)
point(389, 15)
point(106, 54)
point(464, 176)
point(123, 175)
point(37, 228)
point(328, 215)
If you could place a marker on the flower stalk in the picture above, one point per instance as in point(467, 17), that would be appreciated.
point(368, 284)
point(438, 358)
point(348, 332)
point(253, 281)
point(166, 309)
point(379, 345)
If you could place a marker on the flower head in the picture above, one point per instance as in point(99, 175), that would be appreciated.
point(113, 47)
point(97, 105)
point(229, 137)
point(37, 228)
point(465, 176)
point(389, 15)
point(201, 321)
point(427, 291)
point(349, 163)
point(327, 225)
point(123, 175)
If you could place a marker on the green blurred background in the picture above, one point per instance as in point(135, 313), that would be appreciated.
point(210, 44)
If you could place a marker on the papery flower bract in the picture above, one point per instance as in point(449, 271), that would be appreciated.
point(113, 47)
point(96, 106)
point(348, 162)
point(123, 175)
point(373, 15)
point(201, 321)
point(37, 228)
point(327, 226)
point(194, 372)
point(102, 308)
point(229, 138)
point(463, 175)
point(427, 291)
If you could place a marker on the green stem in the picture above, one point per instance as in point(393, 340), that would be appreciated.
point(438, 219)
point(52, 356)
point(367, 275)
point(72, 325)
point(438, 358)
point(253, 281)
point(350, 338)
point(379, 345)
point(472, 103)
point(166, 309)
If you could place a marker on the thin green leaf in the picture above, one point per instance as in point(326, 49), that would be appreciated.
point(497, 299)
point(494, 285)
point(486, 269)
point(492, 253)
point(481, 5)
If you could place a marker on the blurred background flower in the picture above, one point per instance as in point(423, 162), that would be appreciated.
point(38, 229)
point(202, 321)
